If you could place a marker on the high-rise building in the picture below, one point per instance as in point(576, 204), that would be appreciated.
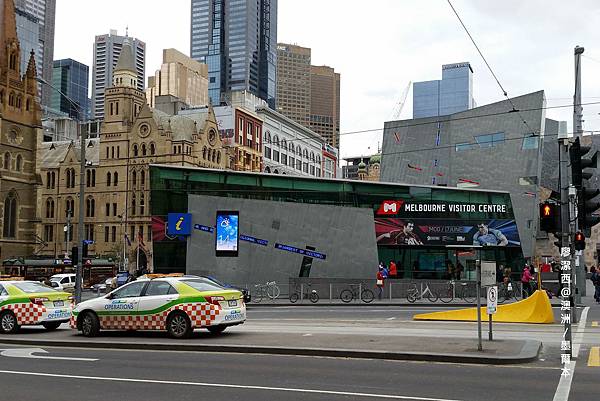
point(293, 82)
point(237, 39)
point(107, 49)
point(181, 77)
point(452, 94)
point(71, 78)
point(44, 11)
point(325, 103)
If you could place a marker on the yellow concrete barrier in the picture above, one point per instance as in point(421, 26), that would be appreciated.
point(535, 309)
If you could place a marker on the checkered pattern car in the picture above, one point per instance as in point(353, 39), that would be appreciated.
point(175, 304)
point(32, 303)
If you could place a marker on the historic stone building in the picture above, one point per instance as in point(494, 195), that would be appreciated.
point(117, 181)
point(20, 127)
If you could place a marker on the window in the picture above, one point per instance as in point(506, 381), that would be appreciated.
point(106, 233)
point(276, 156)
point(108, 178)
point(69, 207)
point(267, 152)
point(114, 233)
point(133, 204)
point(48, 180)
point(49, 208)
point(152, 149)
point(118, 152)
point(53, 180)
point(489, 140)
point(112, 151)
point(130, 290)
point(459, 147)
point(107, 152)
point(156, 288)
point(3, 292)
point(90, 207)
point(132, 232)
point(149, 236)
point(7, 161)
point(107, 206)
point(134, 179)
point(143, 149)
point(219, 156)
point(115, 178)
point(143, 178)
point(89, 232)
point(19, 164)
point(10, 216)
point(142, 204)
point(114, 209)
point(49, 233)
point(204, 153)
point(284, 159)
point(135, 150)
point(530, 142)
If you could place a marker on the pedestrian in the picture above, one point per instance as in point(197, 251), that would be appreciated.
point(449, 270)
point(384, 270)
point(380, 282)
point(500, 273)
point(595, 277)
point(393, 272)
point(459, 269)
point(526, 279)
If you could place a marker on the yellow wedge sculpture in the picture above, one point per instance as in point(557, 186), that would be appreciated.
point(535, 309)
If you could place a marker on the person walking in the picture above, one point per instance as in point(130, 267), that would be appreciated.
point(380, 282)
point(526, 278)
point(595, 277)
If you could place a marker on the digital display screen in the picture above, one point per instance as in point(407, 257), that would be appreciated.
point(227, 238)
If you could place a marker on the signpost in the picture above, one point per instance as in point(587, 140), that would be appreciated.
point(492, 305)
point(488, 273)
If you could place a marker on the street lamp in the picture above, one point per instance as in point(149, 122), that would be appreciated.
point(80, 231)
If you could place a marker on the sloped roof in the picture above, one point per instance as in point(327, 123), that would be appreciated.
point(181, 127)
point(51, 154)
point(126, 60)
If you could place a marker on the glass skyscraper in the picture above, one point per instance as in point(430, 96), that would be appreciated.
point(451, 94)
point(237, 39)
point(71, 78)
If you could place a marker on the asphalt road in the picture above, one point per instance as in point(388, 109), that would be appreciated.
point(147, 376)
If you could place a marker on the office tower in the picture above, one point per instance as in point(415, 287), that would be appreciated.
point(237, 39)
point(71, 78)
point(293, 82)
point(44, 11)
point(452, 94)
point(107, 49)
point(181, 77)
point(325, 103)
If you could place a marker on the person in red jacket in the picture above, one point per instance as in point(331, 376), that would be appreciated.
point(393, 270)
point(526, 279)
point(380, 282)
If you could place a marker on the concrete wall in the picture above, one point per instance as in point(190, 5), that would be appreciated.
point(345, 235)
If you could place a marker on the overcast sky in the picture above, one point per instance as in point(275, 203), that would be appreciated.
point(379, 46)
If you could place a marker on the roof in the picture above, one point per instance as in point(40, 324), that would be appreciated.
point(126, 61)
point(51, 154)
point(181, 127)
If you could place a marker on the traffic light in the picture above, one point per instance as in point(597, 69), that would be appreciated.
point(579, 241)
point(549, 217)
point(580, 173)
point(74, 255)
point(85, 250)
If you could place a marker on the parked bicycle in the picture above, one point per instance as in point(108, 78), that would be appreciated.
point(306, 291)
point(465, 291)
point(413, 293)
point(507, 291)
point(267, 290)
point(349, 294)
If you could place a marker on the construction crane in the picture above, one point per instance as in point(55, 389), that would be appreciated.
point(400, 105)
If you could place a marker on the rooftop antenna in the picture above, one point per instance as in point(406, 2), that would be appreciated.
point(127, 30)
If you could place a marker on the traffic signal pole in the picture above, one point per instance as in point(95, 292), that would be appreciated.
point(565, 249)
point(579, 273)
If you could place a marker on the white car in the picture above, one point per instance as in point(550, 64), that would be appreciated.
point(176, 304)
point(63, 282)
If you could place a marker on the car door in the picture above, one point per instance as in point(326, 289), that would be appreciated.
point(118, 309)
point(154, 302)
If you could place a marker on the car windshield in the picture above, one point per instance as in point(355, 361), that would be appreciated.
point(57, 279)
point(202, 284)
point(31, 288)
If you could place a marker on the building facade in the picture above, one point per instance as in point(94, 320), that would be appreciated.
point(72, 79)
point(20, 128)
point(293, 82)
point(325, 104)
point(451, 94)
point(237, 39)
point(107, 49)
point(181, 77)
point(117, 182)
point(486, 147)
point(45, 13)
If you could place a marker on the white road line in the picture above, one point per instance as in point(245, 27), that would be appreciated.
point(221, 385)
point(564, 385)
point(391, 318)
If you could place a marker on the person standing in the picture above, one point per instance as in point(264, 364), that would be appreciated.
point(595, 277)
point(380, 282)
point(526, 278)
point(459, 269)
point(393, 272)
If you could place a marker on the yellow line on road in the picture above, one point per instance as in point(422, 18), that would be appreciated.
point(594, 324)
point(594, 359)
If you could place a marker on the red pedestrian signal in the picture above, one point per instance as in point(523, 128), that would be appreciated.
point(579, 241)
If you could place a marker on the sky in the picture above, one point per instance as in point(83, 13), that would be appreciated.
point(379, 46)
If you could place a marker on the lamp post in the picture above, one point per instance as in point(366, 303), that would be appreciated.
point(80, 228)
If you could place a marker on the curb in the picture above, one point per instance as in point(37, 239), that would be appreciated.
point(404, 305)
point(528, 353)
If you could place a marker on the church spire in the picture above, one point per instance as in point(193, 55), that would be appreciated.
point(125, 73)
point(8, 34)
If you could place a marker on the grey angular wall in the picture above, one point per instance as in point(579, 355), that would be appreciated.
point(345, 235)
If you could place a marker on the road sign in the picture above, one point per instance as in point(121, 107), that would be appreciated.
point(67, 261)
point(492, 299)
point(488, 273)
point(88, 241)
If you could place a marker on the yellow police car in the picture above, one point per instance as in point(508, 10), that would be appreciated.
point(32, 303)
point(178, 304)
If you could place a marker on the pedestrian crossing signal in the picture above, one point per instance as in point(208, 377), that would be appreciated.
point(548, 217)
point(579, 241)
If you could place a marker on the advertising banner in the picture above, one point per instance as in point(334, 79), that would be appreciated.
point(227, 239)
point(415, 232)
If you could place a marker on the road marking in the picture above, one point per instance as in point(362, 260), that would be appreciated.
point(594, 324)
point(222, 385)
point(564, 385)
point(391, 318)
point(28, 353)
point(594, 359)
point(306, 335)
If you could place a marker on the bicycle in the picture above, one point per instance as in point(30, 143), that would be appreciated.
point(310, 294)
point(449, 294)
point(349, 294)
point(507, 291)
point(413, 293)
point(267, 290)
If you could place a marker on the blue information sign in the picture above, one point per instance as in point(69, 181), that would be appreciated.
point(204, 228)
point(258, 241)
point(179, 223)
point(312, 254)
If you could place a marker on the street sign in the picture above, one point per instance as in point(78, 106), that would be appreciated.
point(67, 261)
point(488, 273)
point(492, 299)
point(88, 241)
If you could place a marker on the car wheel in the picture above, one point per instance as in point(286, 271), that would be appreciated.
point(90, 325)
point(8, 322)
point(216, 329)
point(179, 325)
point(51, 325)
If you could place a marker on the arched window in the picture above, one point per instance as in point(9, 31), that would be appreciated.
point(135, 150)
point(291, 148)
point(142, 204)
point(10, 216)
point(209, 153)
point(68, 178)
point(27, 104)
point(115, 179)
point(268, 137)
point(312, 157)
point(11, 99)
point(219, 157)
point(49, 208)
point(88, 178)
point(90, 207)
point(299, 150)
point(143, 149)
point(53, 180)
point(276, 140)
point(69, 207)
point(152, 149)
point(7, 161)
point(283, 144)
point(48, 180)
point(93, 178)
point(305, 154)
point(133, 205)
point(204, 153)
point(143, 178)
point(108, 179)
point(19, 101)
point(214, 155)
point(134, 179)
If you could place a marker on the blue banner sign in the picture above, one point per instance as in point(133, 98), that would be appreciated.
point(204, 228)
point(258, 241)
point(312, 254)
